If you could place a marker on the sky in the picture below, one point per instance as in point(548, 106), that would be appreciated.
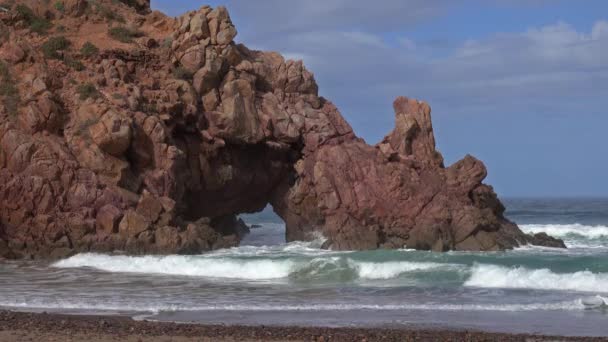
point(520, 84)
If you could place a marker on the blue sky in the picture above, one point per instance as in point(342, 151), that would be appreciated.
point(520, 84)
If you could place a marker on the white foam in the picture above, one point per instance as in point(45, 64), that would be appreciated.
point(253, 267)
point(163, 307)
point(292, 248)
point(308, 248)
point(564, 230)
point(183, 265)
point(390, 269)
point(494, 276)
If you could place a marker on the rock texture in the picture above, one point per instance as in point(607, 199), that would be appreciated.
point(157, 139)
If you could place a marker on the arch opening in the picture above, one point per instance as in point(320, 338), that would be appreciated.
point(266, 228)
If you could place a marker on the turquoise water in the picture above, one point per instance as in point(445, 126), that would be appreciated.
point(268, 281)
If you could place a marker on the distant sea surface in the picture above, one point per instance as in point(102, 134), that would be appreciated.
point(267, 281)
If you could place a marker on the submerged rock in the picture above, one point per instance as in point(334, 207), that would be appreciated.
point(155, 148)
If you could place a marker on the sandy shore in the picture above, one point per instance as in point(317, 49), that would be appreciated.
point(17, 326)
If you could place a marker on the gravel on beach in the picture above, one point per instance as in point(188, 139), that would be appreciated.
point(21, 326)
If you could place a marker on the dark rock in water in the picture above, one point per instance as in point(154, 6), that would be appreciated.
point(6, 252)
point(542, 239)
point(156, 148)
point(326, 244)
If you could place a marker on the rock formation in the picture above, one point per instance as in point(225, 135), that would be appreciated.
point(124, 129)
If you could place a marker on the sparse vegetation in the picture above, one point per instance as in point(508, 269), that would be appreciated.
point(107, 13)
point(8, 91)
point(4, 34)
point(54, 48)
point(148, 107)
point(8, 4)
point(123, 34)
point(3, 70)
point(25, 12)
point(110, 15)
point(40, 26)
point(53, 45)
point(36, 24)
point(86, 91)
point(167, 42)
point(73, 63)
point(182, 73)
point(59, 6)
point(83, 128)
point(131, 3)
point(89, 49)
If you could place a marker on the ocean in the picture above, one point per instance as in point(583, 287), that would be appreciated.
point(270, 282)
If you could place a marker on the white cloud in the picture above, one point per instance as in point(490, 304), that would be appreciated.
point(600, 30)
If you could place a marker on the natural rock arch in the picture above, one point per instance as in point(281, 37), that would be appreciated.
point(157, 144)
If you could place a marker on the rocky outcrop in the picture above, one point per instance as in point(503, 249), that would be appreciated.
point(156, 140)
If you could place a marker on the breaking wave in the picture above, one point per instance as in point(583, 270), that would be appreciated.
point(494, 276)
point(250, 268)
point(574, 235)
point(566, 230)
point(183, 266)
point(163, 307)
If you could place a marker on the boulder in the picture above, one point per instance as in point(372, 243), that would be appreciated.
point(108, 218)
point(168, 238)
point(205, 80)
point(74, 7)
point(150, 207)
point(12, 53)
point(194, 58)
point(226, 34)
point(132, 224)
point(112, 133)
point(199, 26)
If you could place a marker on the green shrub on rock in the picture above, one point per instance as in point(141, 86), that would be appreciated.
point(53, 45)
point(86, 91)
point(8, 91)
point(89, 49)
point(36, 24)
point(59, 6)
point(123, 34)
point(182, 73)
point(73, 63)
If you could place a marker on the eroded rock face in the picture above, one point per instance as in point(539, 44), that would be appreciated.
point(180, 131)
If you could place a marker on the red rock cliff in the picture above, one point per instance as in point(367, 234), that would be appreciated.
point(124, 129)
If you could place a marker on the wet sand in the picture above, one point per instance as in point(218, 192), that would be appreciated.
point(18, 326)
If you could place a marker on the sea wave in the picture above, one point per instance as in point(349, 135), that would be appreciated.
point(574, 235)
point(183, 265)
point(494, 276)
point(567, 230)
point(75, 304)
point(392, 269)
point(250, 268)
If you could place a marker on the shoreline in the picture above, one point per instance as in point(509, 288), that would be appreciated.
point(23, 326)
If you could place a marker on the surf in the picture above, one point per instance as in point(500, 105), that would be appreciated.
point(76, 304)
point(495, 276)
point(566, 230)
point(258, 263)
